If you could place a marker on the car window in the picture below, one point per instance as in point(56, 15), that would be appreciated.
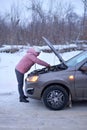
point(77, 59)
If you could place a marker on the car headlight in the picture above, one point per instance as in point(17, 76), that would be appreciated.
point(32, 78)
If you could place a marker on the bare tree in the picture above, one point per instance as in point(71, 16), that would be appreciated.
point(85, 20)
point(14, 24)
point(59, 23)
point(3, 30)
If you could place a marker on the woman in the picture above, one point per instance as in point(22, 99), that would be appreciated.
point(24, 66)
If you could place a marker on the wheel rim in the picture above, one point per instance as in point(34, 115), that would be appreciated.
point(55, 98)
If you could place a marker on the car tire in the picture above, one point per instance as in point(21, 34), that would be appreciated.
point(55, 97)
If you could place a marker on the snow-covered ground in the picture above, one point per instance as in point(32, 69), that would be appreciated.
point(8, 62)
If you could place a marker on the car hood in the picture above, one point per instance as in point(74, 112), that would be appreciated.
point(54, 50)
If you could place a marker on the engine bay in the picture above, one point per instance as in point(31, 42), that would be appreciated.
point(48, 69)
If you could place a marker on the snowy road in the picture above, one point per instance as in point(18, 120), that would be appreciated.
point(35, 116)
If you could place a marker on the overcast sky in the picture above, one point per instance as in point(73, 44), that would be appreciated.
point(5, 5)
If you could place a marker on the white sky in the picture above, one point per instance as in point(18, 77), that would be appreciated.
point(5, 5)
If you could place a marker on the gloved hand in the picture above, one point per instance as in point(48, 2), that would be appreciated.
point(48, 66)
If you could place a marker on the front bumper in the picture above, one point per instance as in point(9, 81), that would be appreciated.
point(30, 91)
point(33, 90)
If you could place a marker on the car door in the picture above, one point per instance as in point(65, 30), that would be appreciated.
point(81, 83)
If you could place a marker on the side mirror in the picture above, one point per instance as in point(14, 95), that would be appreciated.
point(83, 68)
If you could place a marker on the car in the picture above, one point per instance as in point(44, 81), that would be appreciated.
point(57, 86)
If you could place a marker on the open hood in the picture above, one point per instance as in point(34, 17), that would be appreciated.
point(54, 50)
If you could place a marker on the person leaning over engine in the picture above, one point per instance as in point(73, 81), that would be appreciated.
point(24, 66)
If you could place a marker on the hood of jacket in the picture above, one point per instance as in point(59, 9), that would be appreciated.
point(32, 51)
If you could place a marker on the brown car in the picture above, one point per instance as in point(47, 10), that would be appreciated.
point(61, 83)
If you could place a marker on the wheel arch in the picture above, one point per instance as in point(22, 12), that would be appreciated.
point(62, 85)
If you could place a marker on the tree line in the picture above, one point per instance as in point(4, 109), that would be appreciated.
point(60, 26)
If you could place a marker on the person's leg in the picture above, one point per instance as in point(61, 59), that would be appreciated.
point(20, 79)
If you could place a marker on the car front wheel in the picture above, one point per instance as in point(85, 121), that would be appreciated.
point(55, 97)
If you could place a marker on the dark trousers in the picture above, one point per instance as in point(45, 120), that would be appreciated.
point(20, 79)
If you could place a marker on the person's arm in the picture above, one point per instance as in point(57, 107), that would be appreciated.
point(41, 62)
point(38, 61)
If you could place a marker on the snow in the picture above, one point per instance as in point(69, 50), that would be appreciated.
point(8, 62)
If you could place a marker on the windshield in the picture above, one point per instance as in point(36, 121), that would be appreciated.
point(77, 59)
